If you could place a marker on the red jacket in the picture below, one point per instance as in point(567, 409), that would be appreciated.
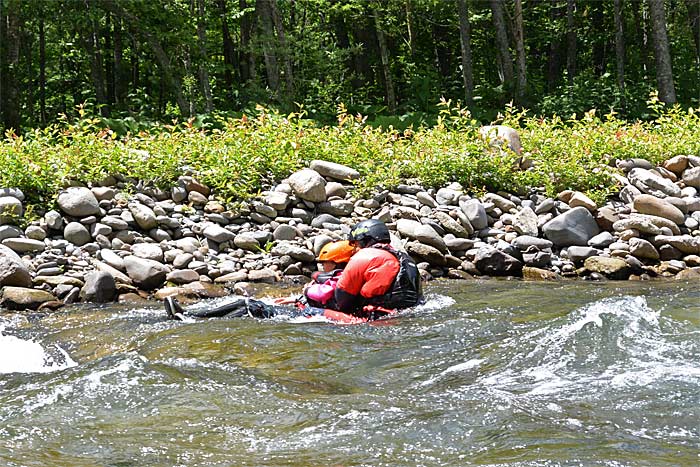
point(370, 273)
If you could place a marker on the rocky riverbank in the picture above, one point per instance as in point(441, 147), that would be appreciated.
point(119, 240)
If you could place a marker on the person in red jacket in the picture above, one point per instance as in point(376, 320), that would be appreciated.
point(377, 277)
point(317, 296)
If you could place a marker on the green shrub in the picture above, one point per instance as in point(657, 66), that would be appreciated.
point(238, 156)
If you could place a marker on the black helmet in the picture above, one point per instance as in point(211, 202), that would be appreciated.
point(369, 232)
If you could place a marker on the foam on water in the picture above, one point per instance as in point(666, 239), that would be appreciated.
point(26, 356)
point(608, 344)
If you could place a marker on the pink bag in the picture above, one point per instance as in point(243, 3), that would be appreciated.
point(322, 293)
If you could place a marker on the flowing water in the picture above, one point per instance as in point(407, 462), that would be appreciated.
point(486, 373)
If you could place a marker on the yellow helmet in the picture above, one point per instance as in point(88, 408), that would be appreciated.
point(338, 252)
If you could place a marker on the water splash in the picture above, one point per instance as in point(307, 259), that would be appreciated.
point(26, 356)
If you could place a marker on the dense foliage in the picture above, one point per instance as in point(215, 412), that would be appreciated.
point(392, 60)
point(238, 157)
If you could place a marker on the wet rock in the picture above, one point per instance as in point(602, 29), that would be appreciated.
point(426, 253)
point(146, 274)
point(537, 274)
point(494, 262)
point(13, 272)
point(21, 298)
point(99, 287)
point(613, 268)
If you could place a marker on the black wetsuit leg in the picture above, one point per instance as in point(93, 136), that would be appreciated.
point(234, 309)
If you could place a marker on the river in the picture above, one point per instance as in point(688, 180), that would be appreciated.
point(491, 372)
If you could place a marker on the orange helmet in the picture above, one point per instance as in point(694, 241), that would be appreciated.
point(338, 252)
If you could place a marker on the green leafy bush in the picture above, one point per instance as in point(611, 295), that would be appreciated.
point(238, 156)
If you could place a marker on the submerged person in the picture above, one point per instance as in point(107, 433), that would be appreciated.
point(320, 292)
point(377, 281)
point(317, 297)
point(378, 278)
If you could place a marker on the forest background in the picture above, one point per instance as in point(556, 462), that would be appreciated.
point(135, 62)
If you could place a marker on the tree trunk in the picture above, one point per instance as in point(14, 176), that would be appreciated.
point(505, 60)
point(693, 7)
point(109, 62)
point(554, 58)
point(11, 95)
point(466, 48)
point(228, 48)
point(386, 70)
point(620, 51)
point(571, 40)
point(134, 62)
point(120, 88)
point(521, 81)
point(161, 57)
point(640, 16)
point(247, 58)
point(599, 38)
point(662, 53)
point(42, 70)
point(204, 57)
point(409, 28)
point(264, 14)
point(92, 45)
point(284, 52)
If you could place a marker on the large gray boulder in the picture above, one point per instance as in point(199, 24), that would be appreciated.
point(648, 204)
point(146, 274)
point(475, 212)
point(22, 298)
point(143, 215)
point(574, 227)
point(99, 287)
point(309, 185)
point(76, 233)
point(494, 262)
point(653, 184)
point(78, 202)
point(218, 234)
point(10, 209)
point(13, 271)
point(333, 170)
